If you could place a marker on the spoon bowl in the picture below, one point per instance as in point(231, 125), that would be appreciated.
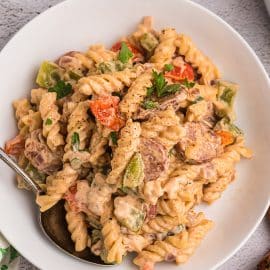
point(53, 222)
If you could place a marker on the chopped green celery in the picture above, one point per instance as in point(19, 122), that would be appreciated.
point(34, 173)
point(226, 95)
point(134, 220)
point(224, 124)
point(149, 42)
point(49, 73)
point(134, 172)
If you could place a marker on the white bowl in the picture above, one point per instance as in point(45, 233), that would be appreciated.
point(73, 25)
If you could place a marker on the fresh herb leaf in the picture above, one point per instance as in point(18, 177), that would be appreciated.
point(4, 251)
point(114, 137)
point(169, 89)
point(48, 122)
point(150, 91)
point(159, 82)
point(149, 104)
point(13, 254)
point(197, 99)
point(61, 88)
point(75, 141)
point(4, 267)
point(188, 84)
point(125, 54)
point(168, 67)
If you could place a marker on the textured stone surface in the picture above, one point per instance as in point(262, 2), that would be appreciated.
point(248, 17)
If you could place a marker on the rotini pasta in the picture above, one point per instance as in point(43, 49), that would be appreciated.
point(132, 138)
point(105, 84)
point(78, 229)
point(197, 59)
point(50, 116)
point(174, 248)
point(113, 242)
point(135, 94)
point(166, 48)
point(57, 186)
point(127, 146)
point(165, 127)
point(99, 54)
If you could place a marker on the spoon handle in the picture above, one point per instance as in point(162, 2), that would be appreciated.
point(13, 165)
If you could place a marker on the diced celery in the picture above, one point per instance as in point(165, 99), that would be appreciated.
point(134, 172)
point(49, 73)
point(134, 220)
point(149, 42)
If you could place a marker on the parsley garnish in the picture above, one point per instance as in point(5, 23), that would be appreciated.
point(161, 87)
point(125, 54)
point(114, 137)
point(48, 122)
point(169, 89)
point(150, 91)
point(168, 67)
point(61, 88)
point(13, 254)
point(149, 104)
point(159, 82)
point(75, 141)
point(188, 84)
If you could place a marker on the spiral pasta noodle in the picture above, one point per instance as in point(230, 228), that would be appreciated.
point(135, 94)
point(145, 26)
point(113, 242)
point(78, 229)
point(78, 123)
point(166, 48)
point(99, 140)
point(213, 191)
point(105, 84)
point(162, 223)
point(197, 59)
point(57, 186)
point(172, 208)
point(50, 116)
point(99, 54)
point(127, 145)
point(22, 107)
point(174, 248)
point(165, 127)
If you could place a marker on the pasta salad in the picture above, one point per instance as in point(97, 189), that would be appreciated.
point(132, 138)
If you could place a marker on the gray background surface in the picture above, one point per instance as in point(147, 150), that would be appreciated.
point(248, 17)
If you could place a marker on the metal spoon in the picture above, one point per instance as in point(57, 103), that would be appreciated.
point(53, 222)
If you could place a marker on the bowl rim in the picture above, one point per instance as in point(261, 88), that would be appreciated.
point(219, 20)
